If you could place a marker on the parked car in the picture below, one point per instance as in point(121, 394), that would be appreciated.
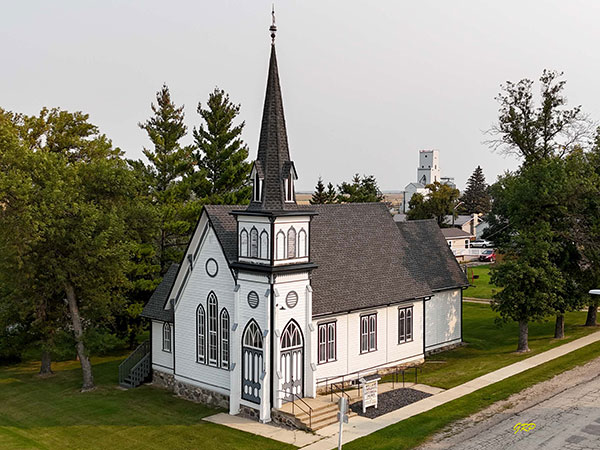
point(481, 243)
point(488, 256)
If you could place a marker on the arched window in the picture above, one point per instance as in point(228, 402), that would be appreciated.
point(166, 341)
point(253, 336)
point(302, 250)
point(253, 243)
point(264, 245)
point(291, 336)
point(291, 247)
point(224, 339)
point(244, 243)
point(200, 335)
point(280, 244)
point(212, 329)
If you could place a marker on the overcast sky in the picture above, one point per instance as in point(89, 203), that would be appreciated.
point(365, 84)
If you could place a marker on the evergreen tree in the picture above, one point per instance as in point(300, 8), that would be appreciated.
point(319, 197)
point(169, 162)
point(476, 198)
point(221, 154)
point(331, 194)
point(360, 190)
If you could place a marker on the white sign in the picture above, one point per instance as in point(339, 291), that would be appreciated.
point(369, 394)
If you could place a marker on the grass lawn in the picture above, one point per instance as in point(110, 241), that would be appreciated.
point(415, 430)
point(482, 287)
point(51, 413)
point(490, 347)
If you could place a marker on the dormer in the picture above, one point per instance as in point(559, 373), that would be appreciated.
point(289, 177)
point(258, 180)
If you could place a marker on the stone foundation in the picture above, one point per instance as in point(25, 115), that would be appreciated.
point(444, 348)
point(189, 392)
point(249, 413)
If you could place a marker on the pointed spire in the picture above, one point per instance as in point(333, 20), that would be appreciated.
point(273, 162)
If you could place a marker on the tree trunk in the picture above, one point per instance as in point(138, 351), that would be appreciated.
point(523, 337)
point(591, 315)
point(86, 366)
point(46, 365)
point(559, 328)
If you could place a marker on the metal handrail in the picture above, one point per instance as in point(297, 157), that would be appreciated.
point(344, 393)
point(294, 395)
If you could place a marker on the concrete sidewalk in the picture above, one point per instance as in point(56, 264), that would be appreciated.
point(361, 426)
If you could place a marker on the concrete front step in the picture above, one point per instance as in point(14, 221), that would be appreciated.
point(322, 416)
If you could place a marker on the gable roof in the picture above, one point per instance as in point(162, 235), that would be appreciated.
point(430, 255)
point(455, 233)
point(361, 257)
point(155, 308)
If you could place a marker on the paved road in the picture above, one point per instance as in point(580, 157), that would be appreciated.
point(570, 420)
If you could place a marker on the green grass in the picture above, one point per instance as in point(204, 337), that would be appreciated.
point(481, 287)
point(415, 430)
point(490, 347)
point(51, 413)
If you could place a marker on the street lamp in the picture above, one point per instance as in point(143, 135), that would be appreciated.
point(454, 211)
point(595, 292)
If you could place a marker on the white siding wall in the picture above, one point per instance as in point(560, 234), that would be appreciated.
point(442, 315)
point(198, 287)
point(388, 353)
point(161, 360)
point(261, 224)
point(284, 284)
point(283, 224)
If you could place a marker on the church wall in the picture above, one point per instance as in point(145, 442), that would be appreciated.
point(443, 319)
point(284, 284)
point(261, 224)
point(283, 224)
point(388, 353)
point(198, 287)
point(161, 360)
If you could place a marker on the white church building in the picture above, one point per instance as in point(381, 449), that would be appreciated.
point(274, 300)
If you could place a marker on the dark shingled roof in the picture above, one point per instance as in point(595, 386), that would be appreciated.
point(155, 308)
point(430, 255)
point(361, 257)
point(273, 157)
point(225, 227)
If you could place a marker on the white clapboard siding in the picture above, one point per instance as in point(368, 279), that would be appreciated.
point(443, 319)
point(389, 352)
point(196, 291)
point(161, 360)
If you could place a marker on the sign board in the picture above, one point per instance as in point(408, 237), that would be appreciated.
point(370, 389)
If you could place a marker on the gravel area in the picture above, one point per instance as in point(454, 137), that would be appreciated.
point(390, 401)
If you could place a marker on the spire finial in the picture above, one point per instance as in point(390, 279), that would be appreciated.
point(273, 27)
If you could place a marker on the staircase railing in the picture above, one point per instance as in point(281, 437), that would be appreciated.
point(297, 397)
point(125, 368)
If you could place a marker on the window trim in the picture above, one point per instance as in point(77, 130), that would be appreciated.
point(200, 335)
point(224, 339)
point(368, 317)
point(253, 247)
point(212, 334)
point(326, 326)
point(244, 232)
point(167, 328)
point(408, 314)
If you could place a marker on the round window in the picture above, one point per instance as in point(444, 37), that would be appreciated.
point(212, 268)
point(253, 299)
point(292, 299)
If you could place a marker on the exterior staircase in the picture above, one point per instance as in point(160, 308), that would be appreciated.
point(322, 413)
point(136, 368)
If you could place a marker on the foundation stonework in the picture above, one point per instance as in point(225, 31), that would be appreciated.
point(188, 392)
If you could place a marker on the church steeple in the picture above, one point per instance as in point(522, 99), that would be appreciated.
point(273, 174)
